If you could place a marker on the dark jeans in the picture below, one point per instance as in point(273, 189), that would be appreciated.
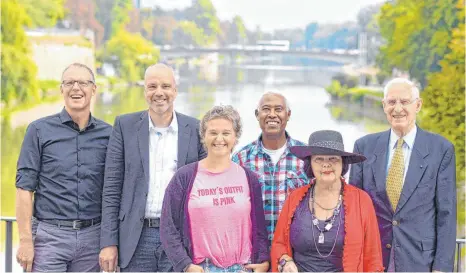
point(149, 255)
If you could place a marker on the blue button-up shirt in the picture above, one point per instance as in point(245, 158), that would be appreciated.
point(64, 166)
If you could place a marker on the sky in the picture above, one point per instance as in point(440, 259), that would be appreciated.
point(277, 14)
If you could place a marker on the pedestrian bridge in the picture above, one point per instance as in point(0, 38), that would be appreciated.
point(339, 55)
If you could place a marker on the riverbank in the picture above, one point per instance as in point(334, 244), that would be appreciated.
point(49, 91)
point(365, 96)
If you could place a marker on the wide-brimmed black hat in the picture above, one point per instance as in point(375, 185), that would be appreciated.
point(326, 142)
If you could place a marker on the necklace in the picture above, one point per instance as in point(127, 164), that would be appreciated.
point(334, 242)
point(320, 206)
point(315, 221)
point(327, 227)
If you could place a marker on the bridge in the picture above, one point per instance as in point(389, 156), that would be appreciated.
point(340, 56)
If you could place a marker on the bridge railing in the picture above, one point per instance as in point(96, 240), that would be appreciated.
point(9, 246)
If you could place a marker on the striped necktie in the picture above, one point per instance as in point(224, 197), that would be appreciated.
point(396, 175)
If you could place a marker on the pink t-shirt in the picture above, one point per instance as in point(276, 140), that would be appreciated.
point(219, 210)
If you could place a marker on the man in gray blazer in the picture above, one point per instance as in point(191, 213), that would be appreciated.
point(410, 175)
point(144, 151)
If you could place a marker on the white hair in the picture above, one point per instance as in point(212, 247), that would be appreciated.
point(274, 93)
point(412, 85)
point(164, 66)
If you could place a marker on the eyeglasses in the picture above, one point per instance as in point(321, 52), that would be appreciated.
point(403, 102)
point(332, 159)
point(82, 84)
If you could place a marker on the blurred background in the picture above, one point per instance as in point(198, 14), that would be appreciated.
point(329, 58)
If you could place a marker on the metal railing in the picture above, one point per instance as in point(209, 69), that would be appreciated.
point(459, 246)
point(9, 246)
point(8, 242)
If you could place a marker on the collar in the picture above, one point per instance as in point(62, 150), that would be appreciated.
point(258, 147)
point(408, 138)
point(65, 117)
point(173, 127)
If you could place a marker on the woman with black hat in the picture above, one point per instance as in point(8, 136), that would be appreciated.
point(327, 225)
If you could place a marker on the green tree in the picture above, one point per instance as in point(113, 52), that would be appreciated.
point(444, 102)
point(18, 69)
point(238, 29)
point(104, 15)
point(205, 16)
point(162, 29)
point(188, 33)
point(130, 53)
point(44, 13)
point(120, 15)
point(417, 34)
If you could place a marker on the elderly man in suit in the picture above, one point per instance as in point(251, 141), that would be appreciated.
point(410, 175)
point(144, 151)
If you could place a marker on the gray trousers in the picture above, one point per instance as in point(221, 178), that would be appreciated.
point(62, 249)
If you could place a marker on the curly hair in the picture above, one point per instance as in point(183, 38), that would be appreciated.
point(222, 112)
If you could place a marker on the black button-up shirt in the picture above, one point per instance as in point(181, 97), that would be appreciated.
point(64, 166)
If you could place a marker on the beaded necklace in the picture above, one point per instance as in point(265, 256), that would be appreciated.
point(328, 226)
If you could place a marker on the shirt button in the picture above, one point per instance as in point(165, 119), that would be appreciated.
point(395, 223)
point(79, 164)
point(388, 246)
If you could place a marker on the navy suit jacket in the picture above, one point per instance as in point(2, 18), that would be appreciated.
point(126, 181)
point(422, 229)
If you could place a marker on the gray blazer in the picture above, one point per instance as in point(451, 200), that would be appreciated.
point(422, 229)
point(126, 182)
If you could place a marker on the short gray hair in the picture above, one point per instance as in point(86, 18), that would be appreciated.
point(274, 93)
point(164, 66)
point(410, 84)
point(222, 112)
point(82, 66)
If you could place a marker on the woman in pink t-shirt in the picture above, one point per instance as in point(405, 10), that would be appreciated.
point(212, 215)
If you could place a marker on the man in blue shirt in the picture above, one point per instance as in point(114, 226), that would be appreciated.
point(61, 164)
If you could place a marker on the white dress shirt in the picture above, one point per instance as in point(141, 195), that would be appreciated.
point(163, 159)
point(407, 148)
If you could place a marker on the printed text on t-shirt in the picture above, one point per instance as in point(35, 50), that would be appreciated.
point(222, 201)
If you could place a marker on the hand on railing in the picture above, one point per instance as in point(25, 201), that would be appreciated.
point(25, 254)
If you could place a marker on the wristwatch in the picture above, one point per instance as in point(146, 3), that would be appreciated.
point(283, 262)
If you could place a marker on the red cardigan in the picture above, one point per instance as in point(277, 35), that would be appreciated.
point(362, 250)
